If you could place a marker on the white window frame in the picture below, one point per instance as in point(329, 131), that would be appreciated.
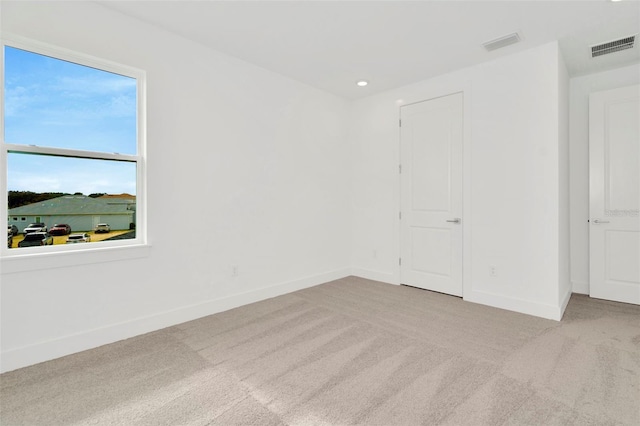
point(17, 260)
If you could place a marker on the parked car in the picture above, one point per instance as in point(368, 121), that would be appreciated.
point(102, 227)
point(60, 229)
point(78, 238)
point(35, 227)
point(36, 239)
point(9, 240)
point(12, 229)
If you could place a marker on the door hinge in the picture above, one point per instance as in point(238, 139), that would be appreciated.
point(400, 261)
point(400, 122)
point(400, 215)
point(400, 168)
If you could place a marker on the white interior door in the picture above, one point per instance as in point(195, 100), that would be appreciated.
point(614, 194)
point(431, 136)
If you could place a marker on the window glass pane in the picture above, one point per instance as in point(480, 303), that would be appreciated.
point(97, 197)
point(59, 104)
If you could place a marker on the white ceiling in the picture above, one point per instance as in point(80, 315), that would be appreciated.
point(331, 44)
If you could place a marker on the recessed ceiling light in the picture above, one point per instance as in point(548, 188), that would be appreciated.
point(362, 83)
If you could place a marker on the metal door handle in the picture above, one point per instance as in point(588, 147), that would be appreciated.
point(454, 220)
point(596, 221)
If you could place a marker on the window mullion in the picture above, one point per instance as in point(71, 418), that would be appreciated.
point(71, 153)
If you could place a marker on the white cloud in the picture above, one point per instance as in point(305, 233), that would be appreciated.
point(35, 183)
point(94, 85)
point(19, 98)
point(50, 174)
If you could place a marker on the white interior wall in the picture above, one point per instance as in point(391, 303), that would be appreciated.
point(245, 167)
point(512, 181)
point(580, 88)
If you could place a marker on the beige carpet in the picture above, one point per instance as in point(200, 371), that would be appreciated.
point(351, 351)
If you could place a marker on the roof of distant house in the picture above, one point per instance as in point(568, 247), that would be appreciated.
point(76, 205)
point(123, 195)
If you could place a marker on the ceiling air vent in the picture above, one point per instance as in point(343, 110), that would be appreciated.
point(613, 46)
point(501, 42)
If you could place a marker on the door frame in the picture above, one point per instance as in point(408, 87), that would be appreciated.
point(423, 96)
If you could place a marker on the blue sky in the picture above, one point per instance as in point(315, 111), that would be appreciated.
point(49, 102)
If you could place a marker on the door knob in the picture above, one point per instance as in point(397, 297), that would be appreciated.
point(596, 221)
point(454, 220)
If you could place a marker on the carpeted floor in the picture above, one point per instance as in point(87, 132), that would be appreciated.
point(351, 351)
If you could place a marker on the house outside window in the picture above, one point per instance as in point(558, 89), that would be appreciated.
point(73, 151)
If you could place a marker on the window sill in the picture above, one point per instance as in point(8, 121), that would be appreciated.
point(39, 261)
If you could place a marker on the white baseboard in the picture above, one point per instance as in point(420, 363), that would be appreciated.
point(564, 302)
point(375, 275)
point(516, 305)
point(580, 287)
point(497, 301)
point(44, 351)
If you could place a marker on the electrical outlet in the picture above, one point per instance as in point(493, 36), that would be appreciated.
point(493, 271)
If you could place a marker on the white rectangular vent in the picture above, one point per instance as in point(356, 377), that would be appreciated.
point(613, 46)
point(501, 42)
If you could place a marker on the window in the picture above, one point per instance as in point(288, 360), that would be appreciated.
point(72, 147)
